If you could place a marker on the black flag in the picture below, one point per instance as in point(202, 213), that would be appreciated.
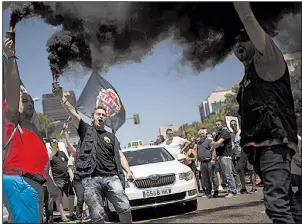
point(98, 91)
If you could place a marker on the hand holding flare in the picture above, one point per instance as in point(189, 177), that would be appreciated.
point(11, 34)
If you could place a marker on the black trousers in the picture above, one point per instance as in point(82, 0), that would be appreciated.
point(272, 163)
point(79, 190)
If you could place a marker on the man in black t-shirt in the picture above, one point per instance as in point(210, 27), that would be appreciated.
point(104, 181)
point(59, 174)
point(222, 153)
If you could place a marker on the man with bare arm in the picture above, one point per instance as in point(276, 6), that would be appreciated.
point(268, 121)
point(25, 154)
point(99, 164)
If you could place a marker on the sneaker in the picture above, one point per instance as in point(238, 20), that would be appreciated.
point(254, 191)
point(231, 195)
point(243, 191)
point(72, 217)
point(201, 194)
point(209, 196)
point(215, 194)
point(220, 188)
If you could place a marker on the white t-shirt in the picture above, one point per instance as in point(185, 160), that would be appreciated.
point(71, 161)
point(174, 145)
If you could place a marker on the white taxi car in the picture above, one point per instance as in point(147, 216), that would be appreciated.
point(160, 180)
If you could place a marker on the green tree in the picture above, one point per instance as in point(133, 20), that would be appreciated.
point(59, 135)
point(230, 106)
point(48, 125)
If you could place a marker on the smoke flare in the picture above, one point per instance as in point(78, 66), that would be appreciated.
point(107, 33)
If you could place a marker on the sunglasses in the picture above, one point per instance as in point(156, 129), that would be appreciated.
point(170, 133)
point(54, 142)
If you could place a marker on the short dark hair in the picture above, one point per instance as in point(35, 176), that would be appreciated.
point(233, 120)
point(97, 108)
point(169, 129)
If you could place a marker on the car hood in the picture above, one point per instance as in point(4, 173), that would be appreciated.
point(159, 168)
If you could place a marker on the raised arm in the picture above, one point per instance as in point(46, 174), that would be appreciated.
point(11, 78)
point(251, 25)
point(70, 146)
point(67, 106)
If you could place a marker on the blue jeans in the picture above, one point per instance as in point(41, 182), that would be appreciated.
point(96, 188)
point(209, 177)
point(226, 165)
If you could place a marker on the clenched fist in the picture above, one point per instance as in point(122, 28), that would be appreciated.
point(58, 92)
point(9, 47)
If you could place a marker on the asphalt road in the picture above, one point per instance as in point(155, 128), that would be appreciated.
point(246, 208)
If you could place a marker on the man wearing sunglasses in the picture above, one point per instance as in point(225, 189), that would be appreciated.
point(174, 144)
point(268, 119)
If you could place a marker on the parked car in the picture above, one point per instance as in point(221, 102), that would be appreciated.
point(160, 180)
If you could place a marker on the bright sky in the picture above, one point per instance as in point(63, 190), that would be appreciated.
point(154, 88)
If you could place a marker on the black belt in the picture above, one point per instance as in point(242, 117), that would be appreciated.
point(35, 177)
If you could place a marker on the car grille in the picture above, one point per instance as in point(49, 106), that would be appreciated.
point(160, 199)
point(162, 180)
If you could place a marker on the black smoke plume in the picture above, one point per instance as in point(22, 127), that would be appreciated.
point(289, 36)
point(99, 34)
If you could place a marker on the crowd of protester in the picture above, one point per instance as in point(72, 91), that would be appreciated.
point(268, 137)
point(227, 168)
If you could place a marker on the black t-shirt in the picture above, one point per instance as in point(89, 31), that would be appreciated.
point(59, 166)
point(226, 148)
point(104, 152)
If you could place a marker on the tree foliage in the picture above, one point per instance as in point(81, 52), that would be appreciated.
point(46, 123)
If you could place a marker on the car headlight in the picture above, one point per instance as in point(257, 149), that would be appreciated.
point(186, 175)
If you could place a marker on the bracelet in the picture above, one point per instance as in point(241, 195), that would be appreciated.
point(15, 57)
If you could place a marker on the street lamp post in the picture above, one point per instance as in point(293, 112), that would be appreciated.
point(36, 99)
point(46, 130)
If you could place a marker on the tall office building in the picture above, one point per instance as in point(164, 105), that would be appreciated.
point(53, 108)
point(213, 102)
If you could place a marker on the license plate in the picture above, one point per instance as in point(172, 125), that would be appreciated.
point(156, 193)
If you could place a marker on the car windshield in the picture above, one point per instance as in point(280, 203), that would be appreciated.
point(147, 156)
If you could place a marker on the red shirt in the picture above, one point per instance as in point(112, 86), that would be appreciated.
point(26, 156)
